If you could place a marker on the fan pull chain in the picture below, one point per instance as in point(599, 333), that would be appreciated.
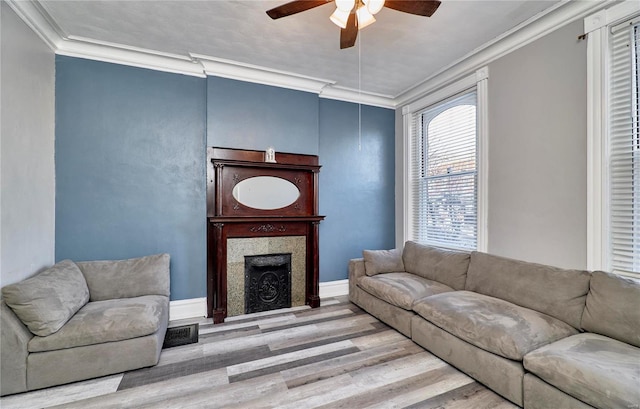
point(359, 93)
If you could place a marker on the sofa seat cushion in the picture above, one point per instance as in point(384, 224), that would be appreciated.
point(492, 324)
point(401, 289)
point(107, 321)
point(595, 369)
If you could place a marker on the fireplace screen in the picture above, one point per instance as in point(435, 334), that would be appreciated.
point(267, 282)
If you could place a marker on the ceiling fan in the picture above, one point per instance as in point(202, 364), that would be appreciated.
point(354, 15)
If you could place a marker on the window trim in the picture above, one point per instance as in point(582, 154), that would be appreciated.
point(596, 26)
point(479, 80)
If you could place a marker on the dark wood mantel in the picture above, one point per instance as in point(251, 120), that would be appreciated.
point(227, 218)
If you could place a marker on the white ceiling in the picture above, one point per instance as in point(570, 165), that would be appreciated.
point(394, 54)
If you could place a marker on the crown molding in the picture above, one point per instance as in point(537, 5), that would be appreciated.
point(131, 56)
point(358, 97)
point(260, 75)
point(34, 16)
point(536, 27)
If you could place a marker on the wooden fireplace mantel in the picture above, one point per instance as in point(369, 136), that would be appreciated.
point(227, 218)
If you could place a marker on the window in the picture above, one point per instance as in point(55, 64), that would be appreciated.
point(614, 139)
point(624, 149)
point(444, 185)
point(444, 166)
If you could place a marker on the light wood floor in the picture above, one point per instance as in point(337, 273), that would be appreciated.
point(335, 356)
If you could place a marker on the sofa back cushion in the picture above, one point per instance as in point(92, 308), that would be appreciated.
point(108, 280)
point(444, 266)
point(554, 291)
point(613, 307)
point(382, 261)
point(45, 302)
point(111, 279)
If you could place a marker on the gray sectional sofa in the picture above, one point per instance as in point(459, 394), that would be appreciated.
point(76, 321)
point(541, 336)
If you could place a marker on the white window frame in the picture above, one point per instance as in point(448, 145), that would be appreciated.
point(479, 80)
point(596, 27)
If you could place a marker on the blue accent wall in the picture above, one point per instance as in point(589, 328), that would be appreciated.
point(130, 156)
point(245, 115)
point(357, 185)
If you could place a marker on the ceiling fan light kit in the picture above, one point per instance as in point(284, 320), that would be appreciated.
point(374, 6)
point(354, 15)
point(340, 18)
point(345, 5)
point(365, 18)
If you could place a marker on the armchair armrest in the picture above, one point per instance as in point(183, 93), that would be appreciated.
point(14, 339)
point(356, 270)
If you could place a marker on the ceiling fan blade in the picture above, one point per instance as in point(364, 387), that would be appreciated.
point(419, 7)
point(294, 7)
point(348, 35)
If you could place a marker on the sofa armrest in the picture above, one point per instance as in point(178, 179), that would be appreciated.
point(356, 270)
point(134, 277)
point(14, 339)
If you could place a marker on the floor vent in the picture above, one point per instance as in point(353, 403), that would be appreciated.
point(182, 335)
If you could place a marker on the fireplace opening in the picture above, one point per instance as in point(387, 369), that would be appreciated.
point(267, 282)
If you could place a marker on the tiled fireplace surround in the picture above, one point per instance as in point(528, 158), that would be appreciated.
point(238, 248)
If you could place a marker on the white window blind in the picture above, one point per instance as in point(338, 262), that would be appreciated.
point(444, 173)
point(624, 149)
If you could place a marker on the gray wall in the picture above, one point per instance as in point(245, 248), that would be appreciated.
point(538, 151)
point(26, 146)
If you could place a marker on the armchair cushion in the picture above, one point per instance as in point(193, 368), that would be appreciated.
point(107, 321)
point(144, 276)
point(45, 302)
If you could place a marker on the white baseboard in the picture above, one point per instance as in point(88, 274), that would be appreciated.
point(197, 307)
point(334, 288)
point(191, 308)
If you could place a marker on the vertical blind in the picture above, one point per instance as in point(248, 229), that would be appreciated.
point(444, 173)
point(624, 149)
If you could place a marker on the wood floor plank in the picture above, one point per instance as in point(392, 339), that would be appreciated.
point(155, 394)
point(285, 358)
point(304, 319)
point(294, 397)
point(412, 397)
point(225, 395)
point(62, 395)
point(393, 394)
point(318, 371)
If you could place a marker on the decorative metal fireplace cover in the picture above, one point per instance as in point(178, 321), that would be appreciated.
point(267, 282)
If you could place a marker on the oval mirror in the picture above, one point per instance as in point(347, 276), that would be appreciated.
point(265, 192)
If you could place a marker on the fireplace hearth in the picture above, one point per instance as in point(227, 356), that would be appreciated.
point(267, 282)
